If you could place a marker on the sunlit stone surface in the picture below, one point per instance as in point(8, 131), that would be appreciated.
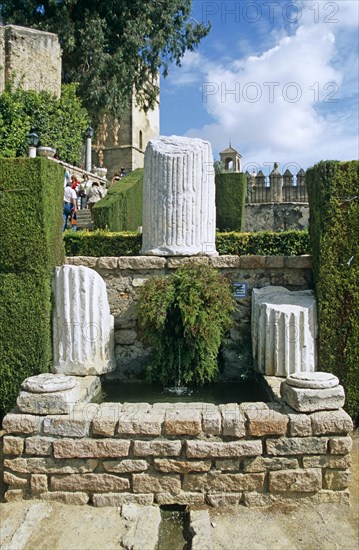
point(178, 198)
point(284, 330)
point(83, 328)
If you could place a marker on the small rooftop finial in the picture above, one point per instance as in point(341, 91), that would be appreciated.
point(230, 143)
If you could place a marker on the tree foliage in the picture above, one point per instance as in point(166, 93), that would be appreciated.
point(113, 47)
point(60, 123)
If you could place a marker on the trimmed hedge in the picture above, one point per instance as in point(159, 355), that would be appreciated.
point(230, 200)
point(104, 243)
point(121, 209)
point(31, 196)
point(333, 190)
point(31, 200)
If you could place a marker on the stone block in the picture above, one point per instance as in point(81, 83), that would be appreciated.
point(274, 262)
point(15, 481)
point(141, 263)
point(91, 448)
point(78, 499)
point(61, 402)
point(39, 446)
point(220, 500)
point(211, 421)
point(181, 466)
point(182, 498)
point(327, 461)
point(266, 422)
point(143, 483)
point(22, 423)
point(303, 481)
point(141, 424)
point(13, 445)
point(251, 499)
point(331, 422)
point(125, 466)
point(235, 449)
point(233, 421)
point(261, 464)
point(118, 499)
point(125, 337)
point(157, 448)
point(107, 262)
point(336, 480)
point(182, 423)
point(38, 483)
point(338, 497)
point(67, 426)
point(300, 425)
point(228, 483)
point(99, 483)
point(340, 445)
point(227, 465)
point(87, 261)
point(200, 530)
point(298, 262)
point(49, 466)
point(225, 262)
point(106, 419)
point(297, 446)
point(14, 495)
point(311, 400)
point(252, 262)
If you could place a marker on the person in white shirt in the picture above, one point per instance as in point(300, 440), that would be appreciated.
point(70, 199)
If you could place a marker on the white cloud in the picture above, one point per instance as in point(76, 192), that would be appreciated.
point(280, 104)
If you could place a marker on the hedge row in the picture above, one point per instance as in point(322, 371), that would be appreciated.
point(266, 243)
point(230, 200)
point(121, 209)
point(333, 189)
point(30, 224)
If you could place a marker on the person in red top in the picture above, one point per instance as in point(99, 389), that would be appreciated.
point(75, 185)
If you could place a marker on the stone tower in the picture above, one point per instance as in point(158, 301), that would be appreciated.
point(30, 59)
point(122, 142)
point(231, 159)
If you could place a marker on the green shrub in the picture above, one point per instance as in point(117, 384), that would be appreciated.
point(60, 123)
point(31, 201)
point(121, 209)
point(264, 243)
point(102, 243)
point(105, 243)
point(184, 317)
point(230, 200)
point(333, 189)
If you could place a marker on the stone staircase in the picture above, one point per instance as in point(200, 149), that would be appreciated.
point(84, 220)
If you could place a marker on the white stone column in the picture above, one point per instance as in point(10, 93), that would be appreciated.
point(284, 331)
point(83, 328)
point(179, 216)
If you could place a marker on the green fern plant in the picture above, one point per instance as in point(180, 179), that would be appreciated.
point(184, 317)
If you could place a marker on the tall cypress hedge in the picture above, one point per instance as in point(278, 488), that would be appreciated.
point(31, 195)
point(333, 189)
point(230, 199)
point(121, 209)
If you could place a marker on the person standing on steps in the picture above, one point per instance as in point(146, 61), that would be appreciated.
point(70, 199)
point(93, 196)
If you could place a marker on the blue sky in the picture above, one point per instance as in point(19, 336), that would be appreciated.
point(278, 79)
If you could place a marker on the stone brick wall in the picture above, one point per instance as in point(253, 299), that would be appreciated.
point(279, 216)
point(190, 453)
point(29, 58)
point(124, 275)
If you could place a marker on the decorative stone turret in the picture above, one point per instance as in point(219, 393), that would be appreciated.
point(284, 329)
point(178, 198)
point(83, 328)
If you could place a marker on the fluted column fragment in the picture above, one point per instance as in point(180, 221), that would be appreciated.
point(83, 328)
point(284, 330)
point(179, 216)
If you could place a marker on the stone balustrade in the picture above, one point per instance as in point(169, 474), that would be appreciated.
point(186, 453)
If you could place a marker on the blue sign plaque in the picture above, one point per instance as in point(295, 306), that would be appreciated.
point(240, 290)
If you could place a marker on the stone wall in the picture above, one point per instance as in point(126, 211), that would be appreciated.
point(190, 453)
point(276, 216)
point(30, 59)
point(125, 275)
